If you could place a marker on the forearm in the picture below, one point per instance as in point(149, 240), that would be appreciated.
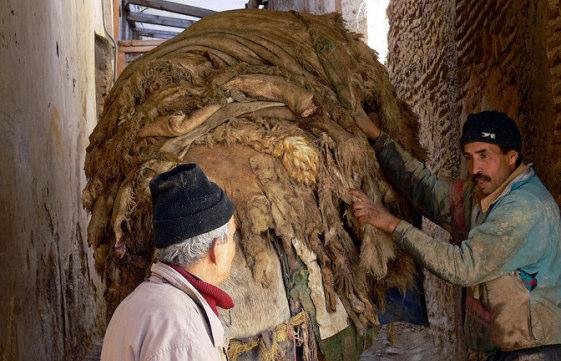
point(426, 191)
point(492, 249)
point(452, 263)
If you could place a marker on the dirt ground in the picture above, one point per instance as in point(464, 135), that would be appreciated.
point(412, 343)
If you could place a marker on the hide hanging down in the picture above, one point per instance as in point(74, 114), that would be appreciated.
point(265, 102)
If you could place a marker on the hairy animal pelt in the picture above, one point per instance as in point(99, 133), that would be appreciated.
point(265, 102)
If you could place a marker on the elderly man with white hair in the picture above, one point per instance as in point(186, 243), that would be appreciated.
point(173, 314)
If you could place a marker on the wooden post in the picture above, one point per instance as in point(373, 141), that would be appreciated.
point(116, 20)
point(124, 23)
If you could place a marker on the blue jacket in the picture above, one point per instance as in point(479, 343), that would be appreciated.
point(501, 239)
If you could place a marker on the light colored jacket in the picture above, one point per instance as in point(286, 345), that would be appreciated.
point(516, 230)
point(164, 319)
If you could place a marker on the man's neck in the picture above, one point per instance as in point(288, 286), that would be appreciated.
point(201, 271)
point(213, 295)
point(486, 201)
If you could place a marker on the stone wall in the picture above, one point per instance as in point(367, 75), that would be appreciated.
point(421, 62)
point(353, 11)
point(448, 59)
point(51, 299)
point(307, 6)
point(553, 49)
point(502, 52)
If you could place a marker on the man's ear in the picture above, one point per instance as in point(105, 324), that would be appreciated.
point(213, 251)
point(512, 158)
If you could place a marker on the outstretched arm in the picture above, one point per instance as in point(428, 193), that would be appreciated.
point(431, 194)
point(491, 249)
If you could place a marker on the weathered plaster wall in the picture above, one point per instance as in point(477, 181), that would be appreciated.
point(421, 62)
point(308, 6)
point(553, 49)
point(104, 65)
point(353, 11)
point(503, 55)
point(451, 58)
point(51, 300)
point(509, 58)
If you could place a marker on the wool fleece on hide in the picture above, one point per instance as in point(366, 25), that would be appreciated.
point(265, 102)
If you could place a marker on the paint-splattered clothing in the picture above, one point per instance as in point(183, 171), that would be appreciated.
point(508, 257)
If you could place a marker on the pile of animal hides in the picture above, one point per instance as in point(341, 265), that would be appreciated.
point(265, 103)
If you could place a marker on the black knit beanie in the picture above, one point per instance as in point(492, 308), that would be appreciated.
point(492, 127)
point(186, 204)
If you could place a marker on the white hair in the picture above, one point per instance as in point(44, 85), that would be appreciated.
point(192, 249)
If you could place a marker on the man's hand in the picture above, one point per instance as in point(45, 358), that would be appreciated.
point(367, 123)
point(367, 212)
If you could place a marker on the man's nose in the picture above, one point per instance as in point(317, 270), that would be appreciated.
point(474, 167)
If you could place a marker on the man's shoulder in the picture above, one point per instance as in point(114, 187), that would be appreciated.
point(157, 305)
point(156, 320)
point(529, 200)
point(532, 192)
point(160, 296)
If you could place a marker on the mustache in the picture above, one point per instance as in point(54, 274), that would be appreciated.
point(481, 176)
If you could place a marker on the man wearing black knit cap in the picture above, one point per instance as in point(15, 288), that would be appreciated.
point(173, 314)
point(507, 232)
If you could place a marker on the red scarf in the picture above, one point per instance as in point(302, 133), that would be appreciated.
point(213, 295)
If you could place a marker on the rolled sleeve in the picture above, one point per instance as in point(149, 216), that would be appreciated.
point(492, 249)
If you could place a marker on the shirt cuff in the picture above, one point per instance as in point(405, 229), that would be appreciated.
point(400, 232)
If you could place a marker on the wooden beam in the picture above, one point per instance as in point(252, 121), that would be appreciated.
point(137, 46)
point(152, 33)
point(136, 49)
point(132, 43)
point(159, 20)
point(173, 7)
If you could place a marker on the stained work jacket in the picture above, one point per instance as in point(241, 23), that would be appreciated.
point(164, 319)
point(514, 232)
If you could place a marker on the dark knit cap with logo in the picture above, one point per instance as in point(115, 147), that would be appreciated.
point(492, 127)
point(186, 204)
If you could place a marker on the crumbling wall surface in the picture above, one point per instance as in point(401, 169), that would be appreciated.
point(508, 59)
point(307, 6)
point(353, 11)
point(50, 296)
point(553, 48)
point(104, 55)
point(449, 59)
point(421, 63)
